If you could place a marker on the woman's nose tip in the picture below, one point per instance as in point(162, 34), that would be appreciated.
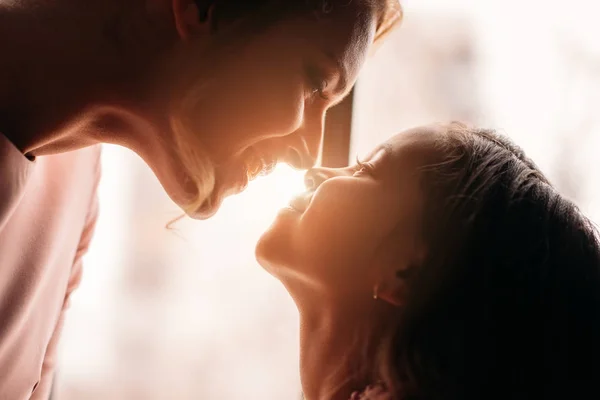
point(298, 159)
point(293, 158)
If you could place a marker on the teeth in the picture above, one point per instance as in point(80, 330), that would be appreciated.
point(257, 165)
point(254, 170)
point(254, 166)
point(268, 167)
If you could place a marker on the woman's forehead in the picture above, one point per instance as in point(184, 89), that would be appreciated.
point(347, 33)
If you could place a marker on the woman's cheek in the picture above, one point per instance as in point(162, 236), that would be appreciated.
point(258, 107)
point(285, 115)
point(277, 100)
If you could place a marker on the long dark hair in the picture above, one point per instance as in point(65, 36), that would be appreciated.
point(507, 302)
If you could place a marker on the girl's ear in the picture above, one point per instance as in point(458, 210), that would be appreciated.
point(193, 18)
point(396, 262)
point(395, 285)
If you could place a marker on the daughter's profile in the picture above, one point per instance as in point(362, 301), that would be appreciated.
point(442, 266)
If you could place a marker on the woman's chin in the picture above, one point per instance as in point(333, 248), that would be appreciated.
point(209, 207)
point(206, 210)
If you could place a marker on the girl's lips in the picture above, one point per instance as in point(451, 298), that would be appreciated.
point(301, 202)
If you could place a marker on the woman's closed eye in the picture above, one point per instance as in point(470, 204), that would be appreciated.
point(317, 81)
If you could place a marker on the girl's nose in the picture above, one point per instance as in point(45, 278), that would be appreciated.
point(314, 177)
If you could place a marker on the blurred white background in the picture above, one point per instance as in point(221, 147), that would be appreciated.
point(188, 314)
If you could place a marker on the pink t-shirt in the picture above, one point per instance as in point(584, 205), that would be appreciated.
point(48, 209)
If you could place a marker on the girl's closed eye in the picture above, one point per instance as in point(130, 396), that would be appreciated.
point(364, 169)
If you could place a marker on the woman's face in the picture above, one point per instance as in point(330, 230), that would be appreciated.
point(352, 218)
point(265, 101)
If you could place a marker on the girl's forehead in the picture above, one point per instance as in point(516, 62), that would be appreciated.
point(408, 143)
point(405, 153)
point(422, 136)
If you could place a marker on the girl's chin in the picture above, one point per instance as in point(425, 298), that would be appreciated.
point(275, 246)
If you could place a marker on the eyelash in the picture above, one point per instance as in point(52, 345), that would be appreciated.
point(317, 81)
point(364, 168)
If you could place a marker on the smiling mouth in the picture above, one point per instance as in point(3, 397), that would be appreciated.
point(258, 164)
point(301, 202)
point(234, 180)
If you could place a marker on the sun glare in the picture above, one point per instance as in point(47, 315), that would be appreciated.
point(277, 189)
point(266, 195)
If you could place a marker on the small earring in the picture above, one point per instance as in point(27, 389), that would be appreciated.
point(375, 292)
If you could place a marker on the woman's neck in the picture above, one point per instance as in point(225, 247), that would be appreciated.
point(338, 344)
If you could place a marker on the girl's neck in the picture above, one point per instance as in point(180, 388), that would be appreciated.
point(338, 345)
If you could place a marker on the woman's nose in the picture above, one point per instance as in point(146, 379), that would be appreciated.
point(299, 159)
point(314, 177)
point(304, 144)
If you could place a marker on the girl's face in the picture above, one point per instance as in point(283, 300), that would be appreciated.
point(265, 100)
point(353, 223)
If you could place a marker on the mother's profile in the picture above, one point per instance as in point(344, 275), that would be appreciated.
point(442, 266)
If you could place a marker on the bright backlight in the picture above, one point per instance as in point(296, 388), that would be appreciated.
point(266, 195)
